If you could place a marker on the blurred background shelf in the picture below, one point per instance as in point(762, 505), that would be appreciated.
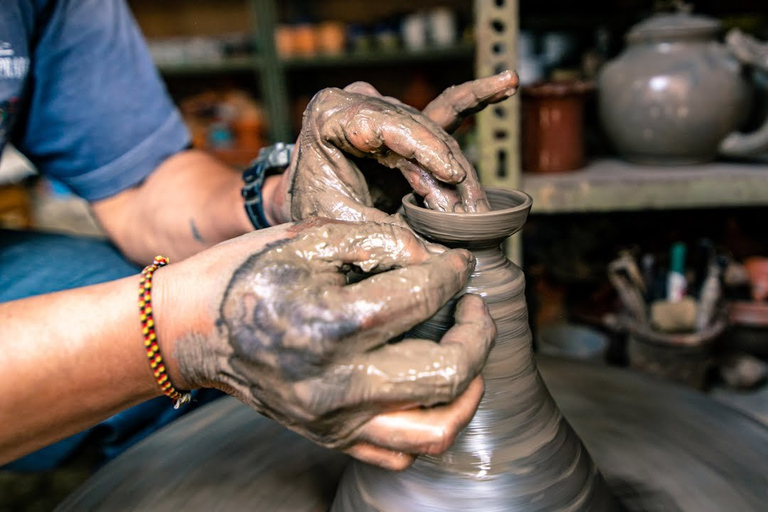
point(372, 58)
point(381, 57)
point(234, 65)
point(615, 185)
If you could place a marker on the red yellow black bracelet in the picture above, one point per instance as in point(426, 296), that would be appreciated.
point(150, 338)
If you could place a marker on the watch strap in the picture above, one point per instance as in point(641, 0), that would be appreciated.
point(271, 160)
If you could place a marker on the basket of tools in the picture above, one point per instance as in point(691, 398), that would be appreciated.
point(672, 321)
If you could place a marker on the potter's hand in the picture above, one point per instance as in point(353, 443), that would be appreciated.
point(323, 181)
point(299, 344)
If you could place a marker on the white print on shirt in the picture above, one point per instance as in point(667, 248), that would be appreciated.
point(11, 66)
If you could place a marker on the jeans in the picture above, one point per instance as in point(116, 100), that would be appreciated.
point(36, 263)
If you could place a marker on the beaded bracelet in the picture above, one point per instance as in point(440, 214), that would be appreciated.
point(150, 338)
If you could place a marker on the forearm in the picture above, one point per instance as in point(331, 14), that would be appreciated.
point(191, 202)
point(69, 360)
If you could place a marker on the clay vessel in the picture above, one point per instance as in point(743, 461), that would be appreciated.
point(677, 96)
point(518, 453)
point(553, 126)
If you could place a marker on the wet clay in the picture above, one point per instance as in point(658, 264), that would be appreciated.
point(298, 343)
point(518, 453)
point(358, 121)
point(339, 123)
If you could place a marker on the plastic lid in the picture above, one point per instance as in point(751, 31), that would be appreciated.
point(681, 25)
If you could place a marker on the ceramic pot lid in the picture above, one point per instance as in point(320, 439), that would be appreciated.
point(670, 27)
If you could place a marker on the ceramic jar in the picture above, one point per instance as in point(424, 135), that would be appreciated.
point(677, 96)
point(518, 453)
point(553, 126)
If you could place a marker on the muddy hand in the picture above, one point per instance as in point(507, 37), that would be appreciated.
point(338, 124)
point(358, 121)
point(301, 345)
point(448, 111)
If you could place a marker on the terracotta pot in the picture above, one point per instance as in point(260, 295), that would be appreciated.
point(331, 37)
point(553, 126)
point(518, 453)
point(285, 40)
point(757, 269)
point(305, 42)
point(677, 96)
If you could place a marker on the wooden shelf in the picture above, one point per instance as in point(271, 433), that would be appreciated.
point(381, 57)
point(373, 58)
point(237, 65)
point(615, 185)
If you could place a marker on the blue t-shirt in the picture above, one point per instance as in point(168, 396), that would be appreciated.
point(80, 95)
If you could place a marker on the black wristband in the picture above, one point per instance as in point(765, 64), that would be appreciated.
point(271, 160)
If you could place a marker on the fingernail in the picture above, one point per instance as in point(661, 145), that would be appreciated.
point(457, 172)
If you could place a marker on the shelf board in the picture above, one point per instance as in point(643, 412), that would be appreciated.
point(614, 185)
point(357, 59)
point(240, 64)
point(381, 57)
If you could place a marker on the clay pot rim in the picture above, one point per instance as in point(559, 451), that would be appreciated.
point(674, 27)
point(527, 203)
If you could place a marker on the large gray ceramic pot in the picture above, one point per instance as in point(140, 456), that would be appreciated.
point(677, 96)
point(518, 453)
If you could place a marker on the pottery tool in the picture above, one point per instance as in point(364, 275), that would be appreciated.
point(648, 262)
point(676, 282)
point(705, 255)
point(708, 297)
point(628, 282)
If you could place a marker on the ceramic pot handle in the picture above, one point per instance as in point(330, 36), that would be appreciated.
point(754, 53)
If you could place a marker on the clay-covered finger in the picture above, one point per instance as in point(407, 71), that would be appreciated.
point(368, 245)
point(436, 195)
point(382, 457)
point(429, 142)
point(302, 292)
point(456, 103)
point(370, 126)
point(388, 304)
point(367, 126)
point(369, 90)
point(421, 371)
point(424, 430)
point(405, 137)
point(361, 87)
point(472, 197)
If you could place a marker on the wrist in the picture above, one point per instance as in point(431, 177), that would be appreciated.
point(264, 186)
point(234, 201)
point(275, 194)
point(172, 330)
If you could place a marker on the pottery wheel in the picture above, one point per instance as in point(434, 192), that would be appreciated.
point(660, 447)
